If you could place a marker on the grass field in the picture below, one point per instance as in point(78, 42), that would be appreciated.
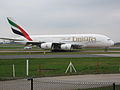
point(57, 66)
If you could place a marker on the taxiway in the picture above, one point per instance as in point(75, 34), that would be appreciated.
point(58, 56)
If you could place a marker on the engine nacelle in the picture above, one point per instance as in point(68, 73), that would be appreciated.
point(46, 46)
point(66, 46)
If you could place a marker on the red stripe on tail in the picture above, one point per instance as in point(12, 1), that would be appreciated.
point(24, 33)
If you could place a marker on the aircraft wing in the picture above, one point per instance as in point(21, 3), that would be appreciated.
point(47, 45)
point(11, 39)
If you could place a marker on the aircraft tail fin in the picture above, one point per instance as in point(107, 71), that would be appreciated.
point(17, 29)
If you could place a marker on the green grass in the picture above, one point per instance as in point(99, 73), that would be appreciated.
point(57, 66)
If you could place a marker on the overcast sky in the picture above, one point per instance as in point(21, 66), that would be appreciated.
point(62, 17)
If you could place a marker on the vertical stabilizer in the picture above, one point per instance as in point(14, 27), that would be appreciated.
point(17, 29)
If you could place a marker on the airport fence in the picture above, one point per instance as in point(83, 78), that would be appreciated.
point(47, 84)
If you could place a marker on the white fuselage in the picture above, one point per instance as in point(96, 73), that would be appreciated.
point(58, 42)
point(85, 40)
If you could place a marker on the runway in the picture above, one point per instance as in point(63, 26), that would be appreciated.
point(58, 56)
point(38, 51)
point(63, 82)
point(48, 54)
point(33, 51)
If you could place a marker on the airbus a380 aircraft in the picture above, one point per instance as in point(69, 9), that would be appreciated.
point(58, 42)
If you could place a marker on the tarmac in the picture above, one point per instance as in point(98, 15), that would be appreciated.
point(33, 51)
point(57, 56)
point(45, 55)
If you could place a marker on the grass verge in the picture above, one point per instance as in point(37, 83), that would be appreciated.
point(57, 66)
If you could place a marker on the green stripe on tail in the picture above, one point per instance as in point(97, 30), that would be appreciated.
point(12, 23)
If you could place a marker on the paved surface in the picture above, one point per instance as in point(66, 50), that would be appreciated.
point(13, 50)
point(110, 55)
point(49, 56)
point(63, 82)
point(57, 56)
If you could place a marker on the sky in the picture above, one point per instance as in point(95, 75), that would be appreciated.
point(40, 17)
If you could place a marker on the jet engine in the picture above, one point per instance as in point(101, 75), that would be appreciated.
point(46, 46)
point(66, 46)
